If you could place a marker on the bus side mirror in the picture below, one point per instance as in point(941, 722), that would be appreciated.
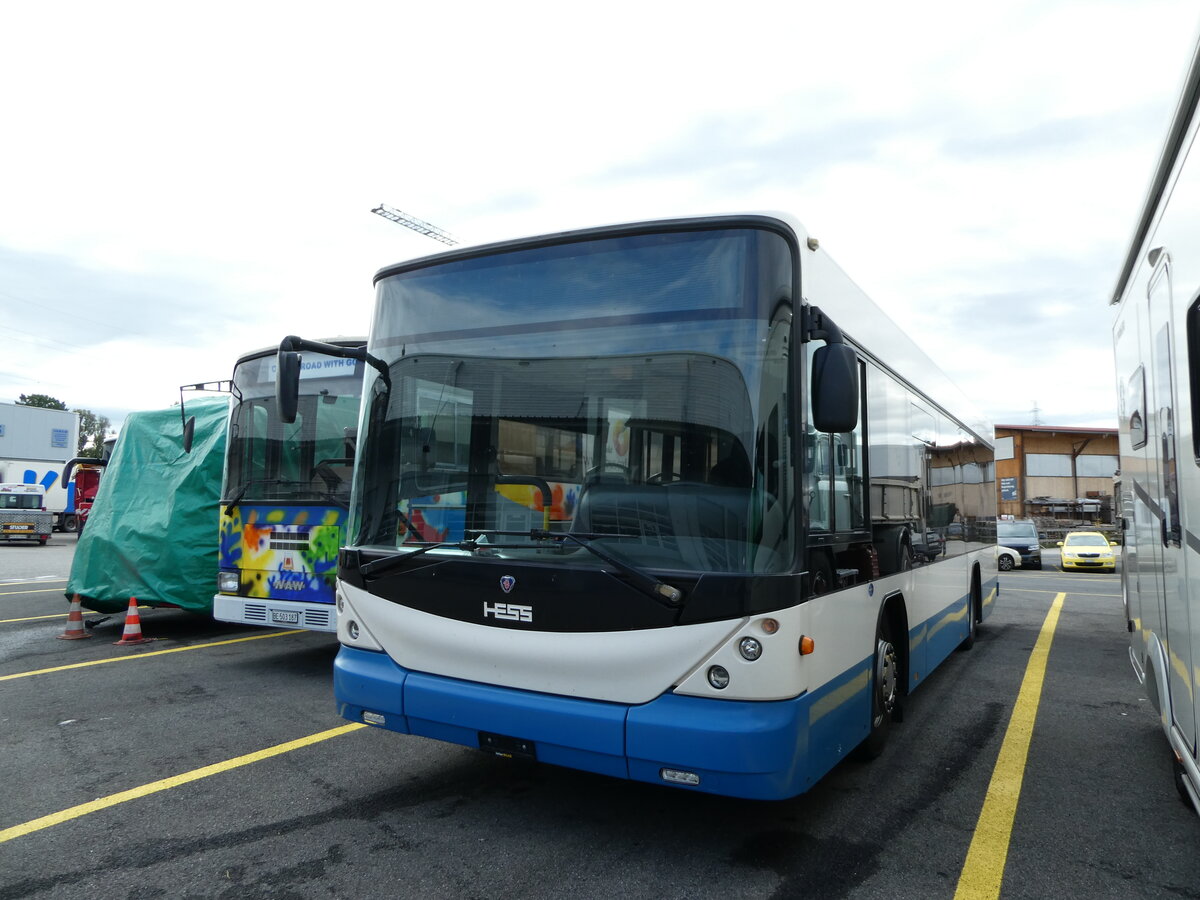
point(287, 385)
point(834, 389)
point(189, 433)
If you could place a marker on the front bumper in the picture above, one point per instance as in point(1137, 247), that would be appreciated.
point(767, 750)
point(1077, 564)
point(275, 613)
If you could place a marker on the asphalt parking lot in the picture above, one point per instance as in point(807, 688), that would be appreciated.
point(210, 763)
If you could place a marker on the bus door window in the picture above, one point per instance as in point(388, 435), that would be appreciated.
point(1158, 293)
point(1171, 530)
point(834, 476)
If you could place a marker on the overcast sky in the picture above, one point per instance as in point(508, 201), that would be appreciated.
point(182, 184)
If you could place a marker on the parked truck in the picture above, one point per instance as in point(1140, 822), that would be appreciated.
point(35, 444)
point(82, 478)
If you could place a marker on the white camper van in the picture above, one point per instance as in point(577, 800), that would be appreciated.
point(1156, 338)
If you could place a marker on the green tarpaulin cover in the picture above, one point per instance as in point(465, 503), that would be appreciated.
point(153, 530)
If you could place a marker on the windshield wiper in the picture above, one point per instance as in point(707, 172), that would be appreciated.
point(237, 498)
point(382, 566)
point(656, 590)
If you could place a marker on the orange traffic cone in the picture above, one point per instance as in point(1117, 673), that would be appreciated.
point(74, 630)
point(133, 626)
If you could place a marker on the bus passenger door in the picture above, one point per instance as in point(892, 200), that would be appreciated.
point(1176, 634)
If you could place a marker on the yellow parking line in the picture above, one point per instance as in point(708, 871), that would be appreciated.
point(63, 616)
point(1008, 588)
point(983, 870)
point(46, 591)
point(115, 659)
point(154, 787)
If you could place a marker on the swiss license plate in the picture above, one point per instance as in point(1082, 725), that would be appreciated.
point(508, 747)
point(18, 528)
point(285, 616)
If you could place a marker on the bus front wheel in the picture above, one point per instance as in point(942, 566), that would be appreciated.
point(885, 690)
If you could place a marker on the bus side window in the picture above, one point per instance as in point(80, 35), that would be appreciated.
point(1193, 364)
point(1137, 406)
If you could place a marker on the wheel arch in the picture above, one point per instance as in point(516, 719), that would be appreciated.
point(976, 592)
point(894, 612)
point(1157, 691)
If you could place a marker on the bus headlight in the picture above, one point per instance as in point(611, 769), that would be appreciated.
point(750, 648)
point(227, 582)
point(718, 677)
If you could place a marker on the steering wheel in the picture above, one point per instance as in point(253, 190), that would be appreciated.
point(324, 468)
point(607, 467)
point(664, 477)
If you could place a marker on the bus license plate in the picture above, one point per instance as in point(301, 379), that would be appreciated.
point(285, 617)
point(508, 747)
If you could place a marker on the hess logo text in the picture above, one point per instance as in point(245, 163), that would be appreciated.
point(509, 612)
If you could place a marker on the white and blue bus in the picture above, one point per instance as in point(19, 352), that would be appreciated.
point(629, 500)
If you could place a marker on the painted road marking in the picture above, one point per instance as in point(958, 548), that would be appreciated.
point(116, 659)
point(983, 870)
point(64, 615)
point(164, 784)
point(39, 591)
point(1036, 591)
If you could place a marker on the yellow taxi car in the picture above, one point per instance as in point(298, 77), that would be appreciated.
point(1088, 550)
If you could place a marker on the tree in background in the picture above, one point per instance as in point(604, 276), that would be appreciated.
point(44, 401)
point(92, 428)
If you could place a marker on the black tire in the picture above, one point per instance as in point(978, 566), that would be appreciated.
point(973, 617)
point(1180, 785)
point(1004, 562)
point(885, 692)
point(894, 549)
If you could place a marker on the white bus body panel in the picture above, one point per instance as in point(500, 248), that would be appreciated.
point(637, 666)
point(1157, 362)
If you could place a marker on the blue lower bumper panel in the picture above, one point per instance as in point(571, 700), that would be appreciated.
point(756, 750)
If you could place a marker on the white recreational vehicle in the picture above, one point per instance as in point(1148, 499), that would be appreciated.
point(1156, 339)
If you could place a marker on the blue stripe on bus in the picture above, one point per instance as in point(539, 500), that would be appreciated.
point(754, 749)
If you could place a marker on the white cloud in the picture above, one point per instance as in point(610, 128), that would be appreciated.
point(183, 185)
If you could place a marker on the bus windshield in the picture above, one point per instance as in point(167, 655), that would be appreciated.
point(644, 429)
point(310, 458)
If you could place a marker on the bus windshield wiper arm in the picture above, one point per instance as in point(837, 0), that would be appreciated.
point(646, 583)
point(377, 567)
point(643, 581)
point(237, 498)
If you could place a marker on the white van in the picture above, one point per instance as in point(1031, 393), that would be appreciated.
point(23, 515)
